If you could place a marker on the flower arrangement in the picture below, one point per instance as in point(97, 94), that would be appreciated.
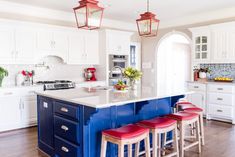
point(3, 73)
point(133, 75)
point(28, 77)
point(27, 73)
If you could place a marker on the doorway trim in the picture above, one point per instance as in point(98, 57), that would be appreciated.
point(161, 40)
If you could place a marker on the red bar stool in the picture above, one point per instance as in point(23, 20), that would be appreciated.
point(126, 135)
point(181, 105)
point(158, 126)
point(199, 111)
point(184, 119)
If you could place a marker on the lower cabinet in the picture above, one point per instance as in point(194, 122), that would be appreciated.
point(29, 110)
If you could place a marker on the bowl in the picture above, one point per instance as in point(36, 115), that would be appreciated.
point(120, 87)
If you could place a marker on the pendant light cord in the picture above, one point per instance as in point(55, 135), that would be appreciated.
point(147, 5)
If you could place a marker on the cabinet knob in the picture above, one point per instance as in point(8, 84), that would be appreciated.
point(63, 148)
point(45, 104)
point(65, 128)
point(219, 110)
point(63, 109)
point(219, 98)
point(220, 89)
point(195, 87)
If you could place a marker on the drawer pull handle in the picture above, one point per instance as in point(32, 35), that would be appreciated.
point(219, 110)
point(219, 98)
point(63, 148)
point(63, 109)
point(220, 89)
point(65, 128)
point(45, 104)
point(8, 93)
point(195, 87)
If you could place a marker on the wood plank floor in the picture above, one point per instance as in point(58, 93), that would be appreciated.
point(220, 142)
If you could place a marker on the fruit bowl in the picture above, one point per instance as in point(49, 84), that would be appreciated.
point(223, 79)
point(120, 87)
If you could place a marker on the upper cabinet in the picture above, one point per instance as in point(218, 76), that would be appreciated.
point(52, 43)
point(201, 44)
point(214, 43)
point(117, 42)
point(84, 47)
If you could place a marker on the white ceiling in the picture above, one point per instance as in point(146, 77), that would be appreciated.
point(129, 10)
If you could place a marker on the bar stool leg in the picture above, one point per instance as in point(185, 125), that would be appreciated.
point(202, 129)
point(104, 147)
point(198, 136)
point(155, 141)
point(147, 146)
point(129, 150)
point(176, 144)
point(182, 139)
point(137, 149)
point(121, 150)
point(158, 145)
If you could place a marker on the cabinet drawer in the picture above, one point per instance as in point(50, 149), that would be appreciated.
point(220, 88)
point(221, 99)
point(67, 129)
point(64, 148)
point(221, 111)
point(67, 110)
point(197, 87)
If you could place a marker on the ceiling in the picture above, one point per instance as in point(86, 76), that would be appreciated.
point(129, 10)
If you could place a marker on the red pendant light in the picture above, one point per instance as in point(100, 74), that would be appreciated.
point(88, 14)
point(147, 24)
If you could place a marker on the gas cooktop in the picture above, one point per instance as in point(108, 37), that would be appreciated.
point(57, 84)
point(55, 81)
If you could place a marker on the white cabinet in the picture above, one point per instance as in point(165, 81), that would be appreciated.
point(29, 110)
point(83, 47)
point(52, 43)
point(10, 113)
point(24, 46)
point(198, 98)
point(7, 45)
point(201, 44)
point(118, 42)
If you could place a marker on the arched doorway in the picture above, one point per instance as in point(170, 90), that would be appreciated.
point(173, 62)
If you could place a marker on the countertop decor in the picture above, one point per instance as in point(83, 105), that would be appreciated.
point(3, 73)
point(133, 75)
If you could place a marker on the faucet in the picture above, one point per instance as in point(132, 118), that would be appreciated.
point(116, 67)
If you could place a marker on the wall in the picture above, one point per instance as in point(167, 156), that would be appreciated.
point(149, 47)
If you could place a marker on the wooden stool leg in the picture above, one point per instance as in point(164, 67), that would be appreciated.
point(176, 144)
point(137, 149)
point(202, 129)
point(130, 150)
point(121, 150)
point(198, 135)
point(182, 139)
point(155, 141)
point(147, 146)
point(158, 145)
point(103, 147)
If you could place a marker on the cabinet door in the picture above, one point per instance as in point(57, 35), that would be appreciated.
point(29, 110)
point(219, 43)
point(60, 45)
point(25, 45)
point(198, 99)
point(45, 126)
point(76, 49)
point(92, 48)
point(7, 45)
point(231, 46)
point(44, 40)
point(10, 112)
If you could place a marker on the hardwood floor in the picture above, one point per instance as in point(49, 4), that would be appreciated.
point(220, 142)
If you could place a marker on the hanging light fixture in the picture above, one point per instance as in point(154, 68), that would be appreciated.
point(88, 14)
point(147, 24)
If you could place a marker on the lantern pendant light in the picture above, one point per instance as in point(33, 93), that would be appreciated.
point(88, 14)
point(147, 24)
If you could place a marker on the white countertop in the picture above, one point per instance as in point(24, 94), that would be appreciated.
point(213, 82)
point(105, 98)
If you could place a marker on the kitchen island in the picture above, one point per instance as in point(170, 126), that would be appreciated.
point(70, 121)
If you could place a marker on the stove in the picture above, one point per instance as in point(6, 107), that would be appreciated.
point(57, 84)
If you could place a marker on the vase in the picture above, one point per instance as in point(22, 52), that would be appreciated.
point(1, 79)
point(202, 75)
point(132, 84)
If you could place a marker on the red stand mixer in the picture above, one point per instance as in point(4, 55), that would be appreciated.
point(90, 74)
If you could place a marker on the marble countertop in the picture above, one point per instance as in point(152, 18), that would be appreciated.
point(213, 82)
point(99, 98)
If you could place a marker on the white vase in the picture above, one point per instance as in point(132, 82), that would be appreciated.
point(202, 75)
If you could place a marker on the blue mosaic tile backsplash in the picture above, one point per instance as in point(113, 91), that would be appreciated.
point(220, 70)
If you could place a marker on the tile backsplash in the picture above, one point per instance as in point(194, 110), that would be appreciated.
point(220, 70)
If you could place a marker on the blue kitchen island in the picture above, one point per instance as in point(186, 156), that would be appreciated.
point(70, 121)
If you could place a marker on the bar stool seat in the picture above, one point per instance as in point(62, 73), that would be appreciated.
point(159, 122)
point(183, 105)
point(193, 109)
point(126, 135)
point(126, 132)
point(183, 116)
point(159, 126)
